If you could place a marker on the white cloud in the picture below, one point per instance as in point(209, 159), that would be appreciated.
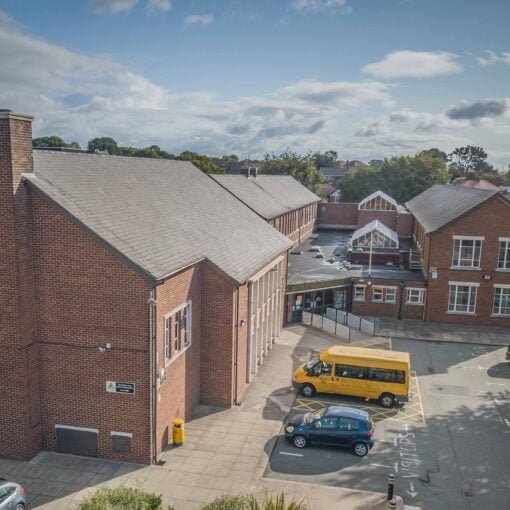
point(159, 5)
point(112, 6)
point(320, 5)
point(199, 19)
point(493, 58)
point(414, 64)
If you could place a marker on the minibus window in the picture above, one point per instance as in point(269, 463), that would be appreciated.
point(350, 371)
point(385, 375)
point(320, 368)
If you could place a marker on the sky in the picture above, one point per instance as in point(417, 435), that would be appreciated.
point(367, 78)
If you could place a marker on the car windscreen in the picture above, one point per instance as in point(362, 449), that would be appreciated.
point(311, 417)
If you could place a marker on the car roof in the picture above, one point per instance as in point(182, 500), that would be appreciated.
point(347, 412)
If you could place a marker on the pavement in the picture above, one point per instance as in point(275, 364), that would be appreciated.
point(225, 452)
point(431, 331)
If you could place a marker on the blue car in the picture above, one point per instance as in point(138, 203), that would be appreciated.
point(334, 425)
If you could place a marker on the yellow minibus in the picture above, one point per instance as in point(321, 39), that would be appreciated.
point(357, 371)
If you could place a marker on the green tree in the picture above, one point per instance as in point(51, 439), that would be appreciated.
point(53, 141)
point(104, 144)
point(201, 162)
point(326, 159)
point(469, 162)
point(435, 153)
point(302, 168)
point(401, 177)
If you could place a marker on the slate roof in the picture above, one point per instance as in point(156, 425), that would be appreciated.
point(331, 171)
point(158, 215)
point(268, 195)
point(441, 204)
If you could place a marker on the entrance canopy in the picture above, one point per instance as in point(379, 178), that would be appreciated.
point(374, 234)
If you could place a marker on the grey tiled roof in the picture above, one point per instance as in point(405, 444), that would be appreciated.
point(442, 204)
point(334, 171)
point(160, 215)
point(268, 195)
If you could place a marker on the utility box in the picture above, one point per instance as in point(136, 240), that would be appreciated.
point(178, 434)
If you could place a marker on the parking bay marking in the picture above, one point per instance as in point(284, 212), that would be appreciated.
point(292, 454)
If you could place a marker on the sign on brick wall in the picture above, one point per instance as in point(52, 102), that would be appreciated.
point(120, 387)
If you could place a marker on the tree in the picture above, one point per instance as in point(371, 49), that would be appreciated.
point(326, 159)
point(201, 162)
point(401, 177)
point(53, 141)
point(435, 153)
point(469, 162)
point(104, 144)
point(302, 168)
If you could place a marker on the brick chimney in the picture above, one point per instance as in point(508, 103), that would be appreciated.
point(20, 437)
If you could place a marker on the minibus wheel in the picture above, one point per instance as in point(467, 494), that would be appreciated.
point(307, 390)
point(387, 400)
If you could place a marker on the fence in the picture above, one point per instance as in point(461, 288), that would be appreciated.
point(339, 323)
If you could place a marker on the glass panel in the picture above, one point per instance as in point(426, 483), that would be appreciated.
point(349, 371)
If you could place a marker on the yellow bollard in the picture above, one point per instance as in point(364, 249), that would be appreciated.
point(178, 435)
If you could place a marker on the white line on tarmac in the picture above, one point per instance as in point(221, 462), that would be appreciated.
point(507, 422)
point(381, 465)
point(494, 383)
point(293, 454)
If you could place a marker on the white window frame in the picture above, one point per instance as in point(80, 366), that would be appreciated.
point(506, 259)
point(500, 287)
point(356, 289)
point(471, 286)
point(384, 294)
point(472, 239)
point(420, 297)
point(184, 340)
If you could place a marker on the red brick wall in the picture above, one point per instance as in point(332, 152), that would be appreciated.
point(369, 308)
point(405, 223)
point(20, 426)
point(337, 214)
point(388, 218)
point(491, 220)
point(179, 395)
point(86, 298)
point(217, 349)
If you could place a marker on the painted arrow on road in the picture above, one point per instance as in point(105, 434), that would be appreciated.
point(412, 492)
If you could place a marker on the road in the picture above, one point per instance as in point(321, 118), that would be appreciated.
point(449, 449)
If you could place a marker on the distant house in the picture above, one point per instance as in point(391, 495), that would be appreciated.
point(476, 184)
point(333, 174)
point(244, 167)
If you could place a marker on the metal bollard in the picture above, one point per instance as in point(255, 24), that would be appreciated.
point(392, 504)
point(391, 486)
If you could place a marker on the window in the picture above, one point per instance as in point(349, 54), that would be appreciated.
point(384, 294)
point(466, 252)
point(462, 298)
point(501, 304)
point(350, 371)
point(386, 375)
point(359, 293)
point(178, 326)
point(6, 493)
point(348, 424)
point(415, 296)
point(504, 254)
point(326, 423)
point(321, 368)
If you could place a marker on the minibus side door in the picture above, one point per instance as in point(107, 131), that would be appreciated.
point(350, 380)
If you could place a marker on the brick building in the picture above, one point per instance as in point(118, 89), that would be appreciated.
point(282, 201)
point(131, 290)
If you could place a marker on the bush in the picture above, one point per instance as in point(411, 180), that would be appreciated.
point(250, 503)
point(121, 499)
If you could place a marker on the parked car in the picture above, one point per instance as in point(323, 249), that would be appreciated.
point(333, 425)
point(12, 496)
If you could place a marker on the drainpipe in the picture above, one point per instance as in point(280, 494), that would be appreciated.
point(236, 349)
point(153, 372)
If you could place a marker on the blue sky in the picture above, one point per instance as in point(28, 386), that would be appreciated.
point(368, 78)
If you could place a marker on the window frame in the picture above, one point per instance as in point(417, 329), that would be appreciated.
point(384, 293)
point(504, 245)
point(421, 296)
point(356, 287)
point(466, 239)
point(501, 288)
point(177, 341)
point(471, 286)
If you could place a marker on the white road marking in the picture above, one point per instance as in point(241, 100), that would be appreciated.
point(412, 492)
point(507, 422)
point(293, 454)
point(494, 383)
point(381, 465)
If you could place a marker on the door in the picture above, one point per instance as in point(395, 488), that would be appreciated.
point(324, 430)
point(348, 431)
point(77, 441)
point(322, 378)
point(350, 380)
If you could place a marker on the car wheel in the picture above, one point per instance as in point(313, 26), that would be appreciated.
point(307, 390)
point(299, 441)
point(19, 506)
point(360, 449)
point(387, 400)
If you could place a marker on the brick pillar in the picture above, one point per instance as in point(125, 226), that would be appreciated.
point(19, 386)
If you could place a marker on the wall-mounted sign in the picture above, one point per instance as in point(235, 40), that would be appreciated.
point(120, 387)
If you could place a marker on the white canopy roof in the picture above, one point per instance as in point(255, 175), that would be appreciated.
point(376, 194)
point(375, 225)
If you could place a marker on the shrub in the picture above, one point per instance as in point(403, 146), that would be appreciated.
point(121, 499)
point(250, 503)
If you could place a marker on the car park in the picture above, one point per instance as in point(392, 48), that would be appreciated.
point(12, 495)
point(334, 425)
